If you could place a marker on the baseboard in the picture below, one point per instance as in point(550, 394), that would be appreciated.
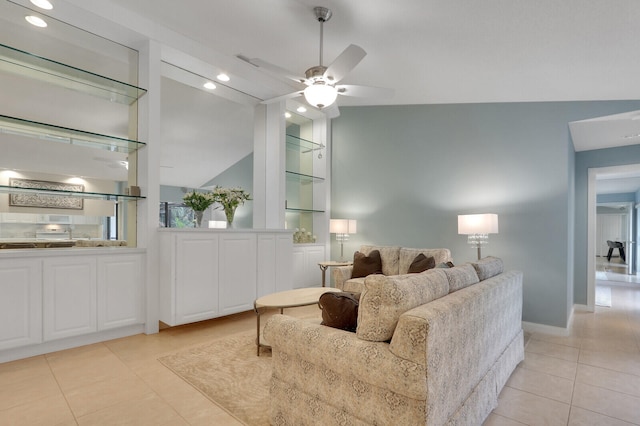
point(582, 308)
point(532, 327)
point(68, 343)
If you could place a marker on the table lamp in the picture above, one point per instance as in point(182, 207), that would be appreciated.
point(477, 227)
point(342, 228)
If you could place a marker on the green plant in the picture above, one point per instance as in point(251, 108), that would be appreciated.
point(230, 198)
point(198, 201)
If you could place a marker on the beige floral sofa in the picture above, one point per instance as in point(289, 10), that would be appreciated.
point(395, 261)
point(434, 348)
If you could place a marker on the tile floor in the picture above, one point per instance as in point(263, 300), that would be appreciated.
point(591, 377)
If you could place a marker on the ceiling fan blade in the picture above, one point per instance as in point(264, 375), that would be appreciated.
point(282, 98)
point(364, 91)
point(348, 59)
point(332, 110)
point(272, 69)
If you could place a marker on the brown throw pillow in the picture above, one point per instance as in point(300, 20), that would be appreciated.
point(366, 265)
point(340, 310)
point(421, 263)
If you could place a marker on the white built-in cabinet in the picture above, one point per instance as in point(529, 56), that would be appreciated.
point(306, 272)
point(45, 299)
point(20, 302)
point(206, 273)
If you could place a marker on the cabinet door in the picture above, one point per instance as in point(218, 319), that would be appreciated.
point(298, 263)
point(284, 266)
point(196, 287)
point(120, 291)
point(237, 272)
point(69, 297)
point(20, 303)
point(315, 255)
point(306, 272)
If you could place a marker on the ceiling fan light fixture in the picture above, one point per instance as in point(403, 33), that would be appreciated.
point(320, 95)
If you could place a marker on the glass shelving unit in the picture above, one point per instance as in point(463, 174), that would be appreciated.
point(52, 133)
point(5, 189)
point(39, 68)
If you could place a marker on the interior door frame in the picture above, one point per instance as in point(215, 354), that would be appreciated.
point(591, 224)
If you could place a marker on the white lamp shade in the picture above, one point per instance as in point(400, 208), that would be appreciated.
point(469, 224)
point(342, 226)
point(320, 95)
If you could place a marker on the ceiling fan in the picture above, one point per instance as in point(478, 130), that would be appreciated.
point(320, 86)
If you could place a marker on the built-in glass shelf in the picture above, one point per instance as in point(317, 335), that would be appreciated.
point(290, 209)
point(49, 71)
point(51, 133)
point(302, 145)
point(302, 178)
point(4, 189)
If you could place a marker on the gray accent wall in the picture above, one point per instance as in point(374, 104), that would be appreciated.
point(406, 172)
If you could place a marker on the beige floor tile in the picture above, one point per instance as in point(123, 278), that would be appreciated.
point(100, 365)
point(18, 371)
point(608, 379)
point(28, 391)
point(531, 409)
point(497, 420)
point(604, 401)
point(97, 396)
point(542, 384)
point(550, 365)
point(48, 411)
point(610, 344)
point(618, 361)
point(147, 411)
point(582, 417)
point(573, 341)
point(566, 353)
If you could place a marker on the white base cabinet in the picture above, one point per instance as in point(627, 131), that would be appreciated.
point(306, 272)
point(47, 299)
point(20, 303)
point(207, 273)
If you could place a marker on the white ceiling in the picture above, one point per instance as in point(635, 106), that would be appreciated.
point(428, 51)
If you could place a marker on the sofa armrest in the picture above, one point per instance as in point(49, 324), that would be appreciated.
point(324, 349)
point(340, 275)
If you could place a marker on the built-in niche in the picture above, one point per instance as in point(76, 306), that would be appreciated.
point(68, 121)
point(207, 140)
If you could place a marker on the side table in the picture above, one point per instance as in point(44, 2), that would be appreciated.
point(286, 299)
point(325, 265)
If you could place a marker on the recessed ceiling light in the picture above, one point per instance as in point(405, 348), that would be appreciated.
point(209, 85)
point(34, 20)
point(287, 114)
point(301, 109)
point(43, 4)
point(223, 77)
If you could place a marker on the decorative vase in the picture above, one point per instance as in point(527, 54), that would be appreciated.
point(229, 212)
point(199, 214)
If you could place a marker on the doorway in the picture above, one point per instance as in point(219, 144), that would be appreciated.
point(618, 222)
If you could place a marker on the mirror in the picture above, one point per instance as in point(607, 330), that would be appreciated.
point(207, 140)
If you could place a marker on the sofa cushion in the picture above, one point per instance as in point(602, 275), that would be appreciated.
point(364, 265)
point(406, 256)
point(389, 256)
point(461, 276)
point(421, 263)
point(340, 310)
point(385, 298)
point(354, 285)
point(488, 267)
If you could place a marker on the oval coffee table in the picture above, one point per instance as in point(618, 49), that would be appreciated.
point(287, 299)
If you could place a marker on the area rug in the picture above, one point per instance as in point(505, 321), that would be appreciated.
point(228, 372)
point(603, 296)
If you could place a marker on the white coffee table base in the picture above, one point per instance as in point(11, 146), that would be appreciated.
point(286, 299)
